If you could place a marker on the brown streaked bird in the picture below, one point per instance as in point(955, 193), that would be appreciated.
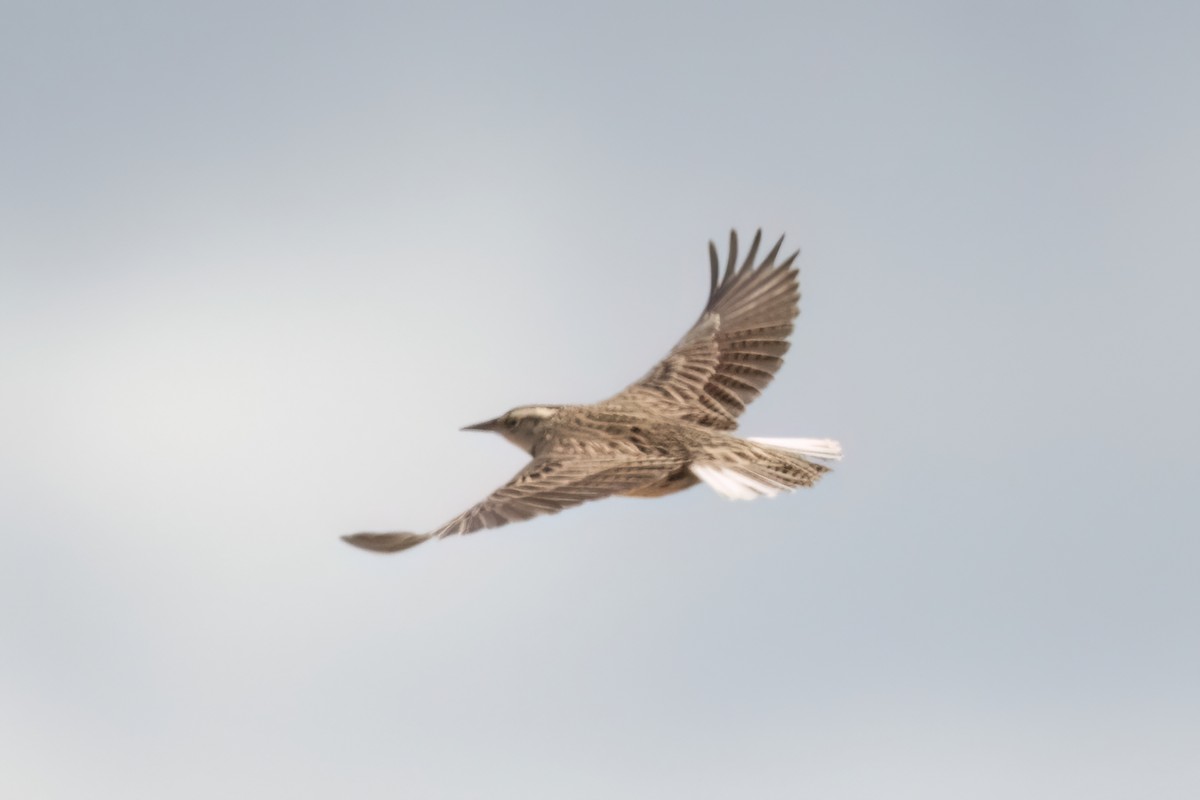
point(671, 429)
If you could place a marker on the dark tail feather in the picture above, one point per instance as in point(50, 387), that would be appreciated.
point(386, 542)
point(790, 462)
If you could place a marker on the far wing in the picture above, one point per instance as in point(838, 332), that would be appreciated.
point(546, 485)
point(734, 349)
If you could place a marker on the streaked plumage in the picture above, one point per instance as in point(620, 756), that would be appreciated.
point(669, 430)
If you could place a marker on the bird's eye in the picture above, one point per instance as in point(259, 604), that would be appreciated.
point(511, 422)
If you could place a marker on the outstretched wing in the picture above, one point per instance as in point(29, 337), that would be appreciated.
point(546, 485)
point(732, 352)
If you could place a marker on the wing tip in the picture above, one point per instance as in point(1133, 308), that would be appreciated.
point(749, 262)
point(731, 264)
point(386, 542)
point(769, 261)
point(714, 263)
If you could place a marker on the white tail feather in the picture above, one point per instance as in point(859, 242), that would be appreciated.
point(813, 448)
point(734, 484)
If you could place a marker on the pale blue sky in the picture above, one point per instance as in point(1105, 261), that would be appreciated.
point(260, 262)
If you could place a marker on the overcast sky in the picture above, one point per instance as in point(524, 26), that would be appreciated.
point(259, 262)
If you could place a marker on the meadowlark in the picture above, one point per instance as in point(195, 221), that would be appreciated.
point(669, 430)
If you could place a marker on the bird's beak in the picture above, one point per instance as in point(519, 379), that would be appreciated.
point(490, 425)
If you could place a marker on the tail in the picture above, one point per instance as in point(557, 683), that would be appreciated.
point(772, 466)
point(386, 542)
point(826, 449)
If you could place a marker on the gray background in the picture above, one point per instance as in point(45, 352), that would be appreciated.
point(261, 261)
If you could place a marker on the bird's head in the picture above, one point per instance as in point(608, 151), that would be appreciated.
point(523, 426)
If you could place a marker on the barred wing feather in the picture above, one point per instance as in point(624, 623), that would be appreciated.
point(546, 485)
point(734, 349)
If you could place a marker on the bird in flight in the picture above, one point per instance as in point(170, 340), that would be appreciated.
point(668, 431)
